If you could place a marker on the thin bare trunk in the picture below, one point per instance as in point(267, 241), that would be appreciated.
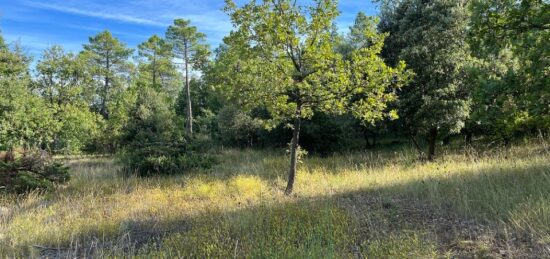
point(416, 145)
point(103, 108)
point(188, 94)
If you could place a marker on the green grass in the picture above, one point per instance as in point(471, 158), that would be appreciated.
point(381, 204)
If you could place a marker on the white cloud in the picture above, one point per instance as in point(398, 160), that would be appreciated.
point(157, 15)
point(205, 14)
point(99, 14)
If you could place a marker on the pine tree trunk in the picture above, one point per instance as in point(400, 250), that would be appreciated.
point(432, 138)
point(188, 95)
point(103, 108)
point(294, 154)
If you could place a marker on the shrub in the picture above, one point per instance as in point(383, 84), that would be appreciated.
point(164, 158)
point(30, 171)
point(153, 141)
point(237, 128)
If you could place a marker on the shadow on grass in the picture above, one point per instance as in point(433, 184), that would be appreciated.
point(491, 211)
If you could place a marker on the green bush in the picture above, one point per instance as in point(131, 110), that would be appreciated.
point(164, 158)
point(31, 171)
point(153, 141)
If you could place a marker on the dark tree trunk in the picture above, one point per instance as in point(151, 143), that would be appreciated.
point(366, 136)
point(432, 138)
point(294, 154)
point(468, 137)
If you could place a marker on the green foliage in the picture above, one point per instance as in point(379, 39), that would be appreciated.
point(326, 134)
point(79, 129)
point(152, 142)
point(2, 43)
point(156, 68)
point(295, 72)
point(517, 31)
point(282, 57)
point(188, 43)
point(25, 120)
point(496, 112)
point(107, 61)
point(13, 63)
point(236, 127)
point(206, 100)
point(431, 39)
point(63, 84)
point(190, 46)
point(31, 171)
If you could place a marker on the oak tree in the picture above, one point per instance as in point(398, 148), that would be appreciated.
point(430, 36)
point(282, 57)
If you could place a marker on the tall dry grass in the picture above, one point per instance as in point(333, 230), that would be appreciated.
point(238, 209)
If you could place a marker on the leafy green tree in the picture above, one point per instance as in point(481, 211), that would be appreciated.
point(520, 28)
point(430, 36)
point(282, 57)
point(13, 63)
point(63, 83)
point(61, 77)
point(25, 120)
point(357, 39)
point(496, 108)
point(156, 66)
point(108, 62)
point(189, 46)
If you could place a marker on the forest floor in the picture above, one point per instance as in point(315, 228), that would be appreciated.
point(379, 204)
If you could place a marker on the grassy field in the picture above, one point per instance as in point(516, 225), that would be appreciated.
point(382, 204)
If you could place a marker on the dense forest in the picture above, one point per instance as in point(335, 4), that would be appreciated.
point(423, 76)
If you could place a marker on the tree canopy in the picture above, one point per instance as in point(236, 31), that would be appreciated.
point(282, 57)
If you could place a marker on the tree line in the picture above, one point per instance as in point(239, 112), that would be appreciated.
point(422, 70)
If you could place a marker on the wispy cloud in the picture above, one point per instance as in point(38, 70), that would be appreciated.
point(98, 14)
point(70, 22)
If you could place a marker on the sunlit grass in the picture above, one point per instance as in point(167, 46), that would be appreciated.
point(238, 208)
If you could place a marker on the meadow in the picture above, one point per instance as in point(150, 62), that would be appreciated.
point(374, 204)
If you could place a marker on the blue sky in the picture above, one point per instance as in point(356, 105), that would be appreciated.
point(38, 24)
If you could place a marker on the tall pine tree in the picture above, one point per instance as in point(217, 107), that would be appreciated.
point(108, 61)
